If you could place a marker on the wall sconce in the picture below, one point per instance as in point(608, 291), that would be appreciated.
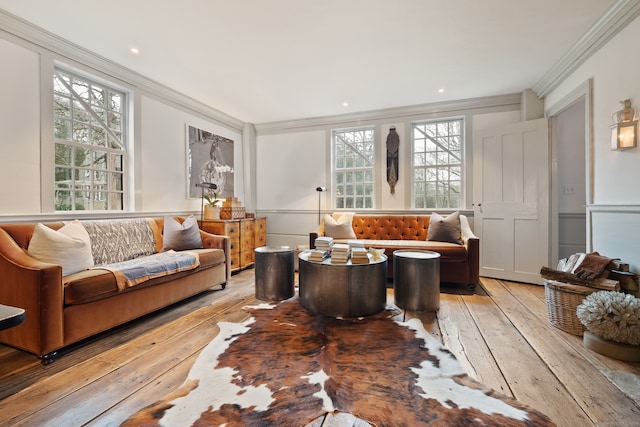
point(623, 132)
point(320, 190)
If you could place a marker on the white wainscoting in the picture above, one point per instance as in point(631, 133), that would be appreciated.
point(614, 231)
point(572, 234)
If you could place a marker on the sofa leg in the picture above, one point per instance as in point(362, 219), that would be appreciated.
point(472, 286)
point(49, 357)
point(224, 285)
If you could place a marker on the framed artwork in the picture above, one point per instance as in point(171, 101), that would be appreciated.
point(209, 160)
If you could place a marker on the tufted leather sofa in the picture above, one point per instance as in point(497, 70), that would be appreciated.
point(458, 263)
point(64, 310)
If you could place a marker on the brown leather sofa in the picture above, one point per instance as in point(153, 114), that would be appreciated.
point(64, 310)
point(458, 263)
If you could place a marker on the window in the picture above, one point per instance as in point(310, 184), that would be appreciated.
point(90, 144)
point(353, 162)
point(437, 164)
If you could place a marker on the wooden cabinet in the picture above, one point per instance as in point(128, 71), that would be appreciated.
point(260, 231)
point(245, 235)
point(247, 242)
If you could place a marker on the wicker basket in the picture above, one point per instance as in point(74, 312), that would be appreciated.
point(562, 301)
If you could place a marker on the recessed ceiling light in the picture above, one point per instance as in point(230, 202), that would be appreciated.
point(441, 90)
point(345, 103)
point(135, 50)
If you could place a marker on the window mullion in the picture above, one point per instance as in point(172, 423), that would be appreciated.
point(355, 150)
point(93, 114)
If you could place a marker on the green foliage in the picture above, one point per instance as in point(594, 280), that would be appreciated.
point(212, 200)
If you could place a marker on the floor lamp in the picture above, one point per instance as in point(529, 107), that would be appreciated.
point(320, 190)
point(204, 185)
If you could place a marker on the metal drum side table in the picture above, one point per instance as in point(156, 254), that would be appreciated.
point(274, 273)
point(342, 290)
point(416, 279)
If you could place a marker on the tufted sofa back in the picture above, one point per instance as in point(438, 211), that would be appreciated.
point(392, 227)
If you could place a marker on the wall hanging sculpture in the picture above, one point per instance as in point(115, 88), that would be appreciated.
point(393, 144)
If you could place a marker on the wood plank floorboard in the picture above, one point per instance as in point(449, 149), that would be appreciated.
point(499, 333)
point(464, 339)
point(529, 378)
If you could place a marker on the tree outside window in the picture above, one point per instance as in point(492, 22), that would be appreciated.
point(353, 163)
point(90, 144)
point(437, 158)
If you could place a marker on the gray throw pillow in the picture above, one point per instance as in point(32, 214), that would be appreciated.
point(180, 237)
point(443, 229)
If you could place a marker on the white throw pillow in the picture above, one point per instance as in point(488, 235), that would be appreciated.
point(336, 216)
point(181, 237)
point(340, 228)
point(69, 247)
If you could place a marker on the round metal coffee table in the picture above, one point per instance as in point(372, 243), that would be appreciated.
point(342, 290)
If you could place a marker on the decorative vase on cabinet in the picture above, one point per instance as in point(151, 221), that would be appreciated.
point(211, 212)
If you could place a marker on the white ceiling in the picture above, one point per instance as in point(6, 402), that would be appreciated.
point(272, 60)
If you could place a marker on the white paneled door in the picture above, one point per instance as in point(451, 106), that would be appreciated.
point(511, 200)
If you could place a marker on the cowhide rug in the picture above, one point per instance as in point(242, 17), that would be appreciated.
point(285, 367)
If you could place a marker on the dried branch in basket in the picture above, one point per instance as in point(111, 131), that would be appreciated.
point(562, 276)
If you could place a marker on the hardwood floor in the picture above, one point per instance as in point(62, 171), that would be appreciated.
point(499, 333)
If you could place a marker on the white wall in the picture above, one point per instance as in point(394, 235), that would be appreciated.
point(569, 132)
point(20, 130)
point(289, 168)
point(158, 147)
point(614, 79)
point(163, 175)
point(613, 214)
point(292, 163)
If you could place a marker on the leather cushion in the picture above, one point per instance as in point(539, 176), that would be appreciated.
point(449, 252)
point(95, 284)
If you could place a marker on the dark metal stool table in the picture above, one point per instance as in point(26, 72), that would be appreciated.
point(416, 279)
point(10, 316)
point(274, 273)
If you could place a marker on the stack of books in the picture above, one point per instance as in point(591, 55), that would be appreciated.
point(359, 256)
point(355, 244)
point(318, 255)
point(340, 253)
point(324, 243)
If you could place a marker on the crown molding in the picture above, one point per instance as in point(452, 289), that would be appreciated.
point(619, 15)
point(41, 40)
point(437, 109)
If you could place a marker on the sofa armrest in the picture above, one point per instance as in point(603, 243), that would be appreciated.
point(465, 228)
point(216, 241)
point(472, 243)
point(36, 287)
